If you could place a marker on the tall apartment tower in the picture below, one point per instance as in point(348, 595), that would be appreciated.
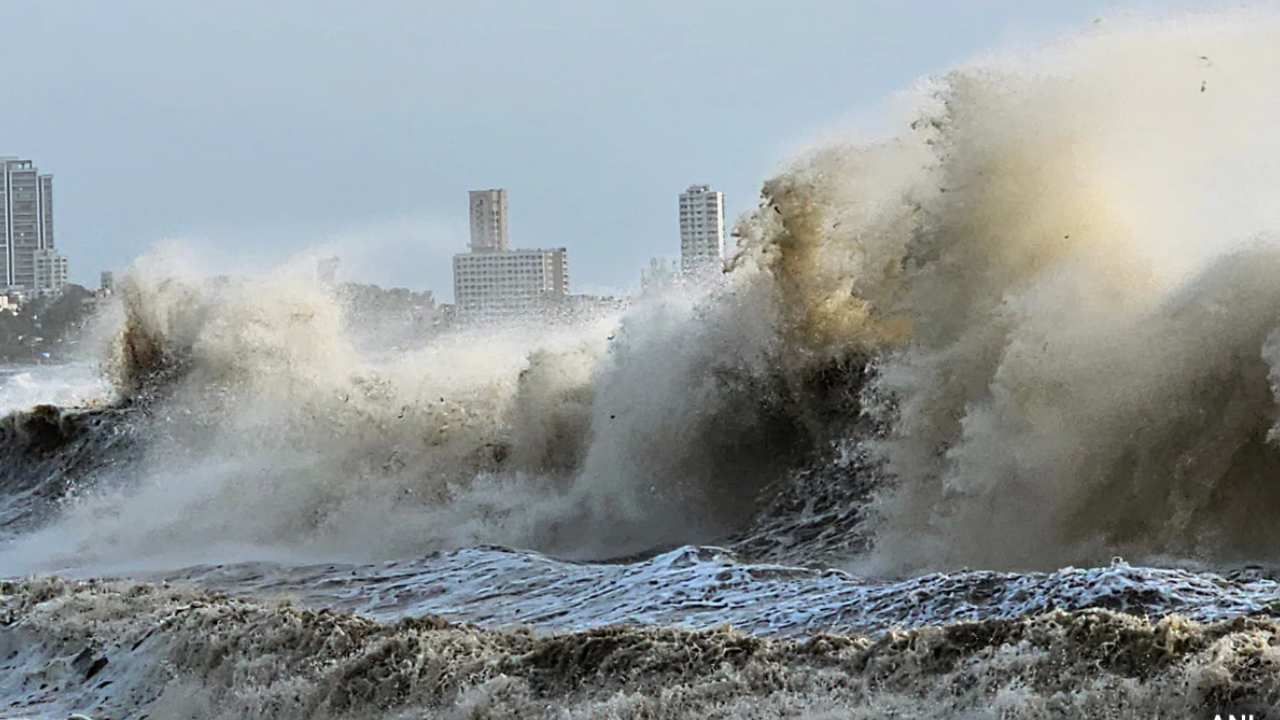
point(701, 230)
point(26, 226)
point(489, 221)
point(492, 282)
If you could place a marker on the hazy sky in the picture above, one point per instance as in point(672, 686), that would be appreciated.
point(253, 130)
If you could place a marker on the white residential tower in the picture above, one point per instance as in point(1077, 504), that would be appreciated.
point(701, 230)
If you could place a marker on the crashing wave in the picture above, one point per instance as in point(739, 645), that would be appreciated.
point(1037, 327)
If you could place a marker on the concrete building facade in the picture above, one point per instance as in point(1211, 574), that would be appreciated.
point(26, 222)
point(494, 282)
point(50, 272)
point(489, 221)
point(701, 230)
point(507, 285)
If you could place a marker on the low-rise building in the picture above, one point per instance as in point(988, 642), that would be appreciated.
point(508, 285)
point(50, 272)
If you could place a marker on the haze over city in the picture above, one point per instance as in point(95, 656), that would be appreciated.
point(249, 131)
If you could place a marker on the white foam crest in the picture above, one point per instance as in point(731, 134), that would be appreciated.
point(1069, 300)
point(1062, 275)
point(66, 384)
point(280, 439)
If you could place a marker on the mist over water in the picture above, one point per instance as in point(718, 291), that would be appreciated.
point(1037, 328)
point(270, 435)
point(1046, 310)
point(71, 384)
point(1090, 283)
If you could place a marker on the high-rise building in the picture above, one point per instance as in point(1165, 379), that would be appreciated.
point(489, 221)
point(107, 282)
point(494, 282)
point(26, 222)
point(701, 230)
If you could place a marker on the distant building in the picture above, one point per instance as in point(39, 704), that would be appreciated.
point(701, 230)
point(489, 221)
point(327, 270)
point(50, 272)
point(504, 285)
point(660, 274)
point(26, 224)
point(577, 308)
point(494, 282)
point(107, 282)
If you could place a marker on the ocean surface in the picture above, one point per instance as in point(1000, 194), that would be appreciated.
point(980, 422)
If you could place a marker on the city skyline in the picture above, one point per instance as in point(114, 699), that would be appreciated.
point(566, 106)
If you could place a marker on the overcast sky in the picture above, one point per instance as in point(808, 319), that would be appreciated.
point(253, 130)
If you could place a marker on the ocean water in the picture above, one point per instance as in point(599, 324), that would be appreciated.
point(71, 384)
point(980, 423)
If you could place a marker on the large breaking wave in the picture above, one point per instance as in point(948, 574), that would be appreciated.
point(1037, 327)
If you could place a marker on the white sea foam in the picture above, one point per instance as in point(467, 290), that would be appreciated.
point(67, 385)
point(1060, 276)
point(1037, 328)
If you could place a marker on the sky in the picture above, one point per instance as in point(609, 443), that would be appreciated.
point(252, 132)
